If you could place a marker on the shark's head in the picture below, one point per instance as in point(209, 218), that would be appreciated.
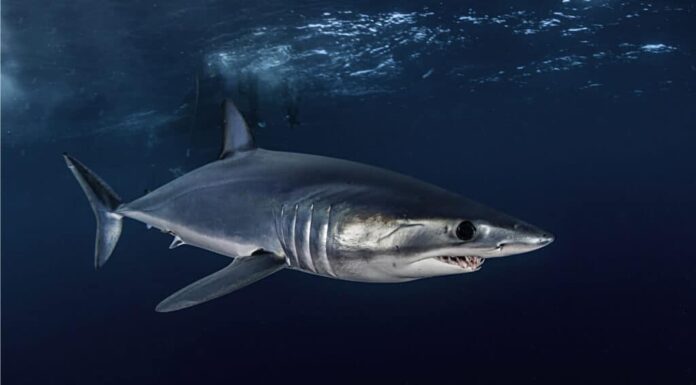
point(443, 234)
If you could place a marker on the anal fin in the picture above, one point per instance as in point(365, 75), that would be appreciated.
point(176, 242)
point(241, 272)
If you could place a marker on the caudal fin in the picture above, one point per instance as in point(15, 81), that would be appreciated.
point(104, 202)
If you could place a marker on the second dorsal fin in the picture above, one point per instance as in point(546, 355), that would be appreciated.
point(236, 135)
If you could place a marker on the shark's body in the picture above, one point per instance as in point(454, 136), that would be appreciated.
point(324, 216)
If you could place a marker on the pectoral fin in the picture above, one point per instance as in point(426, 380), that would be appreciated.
point(241, 272)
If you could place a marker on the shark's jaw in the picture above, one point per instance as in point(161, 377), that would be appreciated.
point(467, 263)
point(433, 266)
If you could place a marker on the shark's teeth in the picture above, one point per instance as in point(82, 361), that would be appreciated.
point(467, 262)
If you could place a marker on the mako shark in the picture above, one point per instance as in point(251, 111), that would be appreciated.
point(335, 218)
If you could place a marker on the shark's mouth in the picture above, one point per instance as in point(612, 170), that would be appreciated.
point(468, 262)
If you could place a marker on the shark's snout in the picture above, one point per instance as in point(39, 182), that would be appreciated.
point(520, 238)
point(533, 238)
point(545, 239)
point(536, 237)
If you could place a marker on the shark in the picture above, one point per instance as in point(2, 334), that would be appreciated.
point(270, 210)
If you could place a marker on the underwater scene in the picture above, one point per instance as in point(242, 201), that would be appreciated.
point(185, 126)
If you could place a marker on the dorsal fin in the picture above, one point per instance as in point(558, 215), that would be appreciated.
point(236, 135)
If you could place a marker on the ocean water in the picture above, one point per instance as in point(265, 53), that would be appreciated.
point(577, 116)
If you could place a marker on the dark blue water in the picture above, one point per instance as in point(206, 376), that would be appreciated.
point(577, 116)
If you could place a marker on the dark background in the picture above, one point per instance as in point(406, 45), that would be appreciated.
point(608, 168)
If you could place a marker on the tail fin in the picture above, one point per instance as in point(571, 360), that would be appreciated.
point(104, 202)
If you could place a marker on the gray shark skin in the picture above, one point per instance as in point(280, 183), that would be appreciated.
point(334, 218)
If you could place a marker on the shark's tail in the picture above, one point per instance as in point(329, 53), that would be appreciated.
point(104, 202)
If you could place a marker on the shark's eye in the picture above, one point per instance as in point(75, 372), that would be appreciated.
point(466, 231)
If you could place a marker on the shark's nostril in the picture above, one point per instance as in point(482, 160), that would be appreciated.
point(546, 238)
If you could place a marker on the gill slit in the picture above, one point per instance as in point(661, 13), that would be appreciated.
point(280, 229)
point(308, 239)
point(293, 238)
point(325, 242)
